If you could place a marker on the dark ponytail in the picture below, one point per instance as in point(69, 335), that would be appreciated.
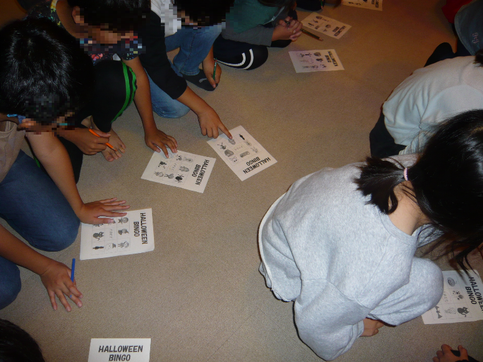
point(447, 184)
point(378, 179)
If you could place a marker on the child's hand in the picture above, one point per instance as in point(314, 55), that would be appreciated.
point(288, 29)
point(371, 327)
point(446, 355)
point(56, 279)
point(209, 68)
point(90, 213)
point(159, 140)
point(210, 122)
point(88, 143)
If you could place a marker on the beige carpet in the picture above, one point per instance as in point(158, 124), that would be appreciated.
point(198, 295)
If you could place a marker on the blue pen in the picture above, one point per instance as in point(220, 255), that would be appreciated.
point(72, 270)
point(214, 70)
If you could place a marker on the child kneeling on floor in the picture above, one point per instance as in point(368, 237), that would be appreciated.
point(44, 78)
point(341, 243)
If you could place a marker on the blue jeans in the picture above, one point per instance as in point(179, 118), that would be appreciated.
point(36, 209)
point(194, 45)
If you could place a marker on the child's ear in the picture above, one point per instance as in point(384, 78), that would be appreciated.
point(76, 15)
point(27, 123)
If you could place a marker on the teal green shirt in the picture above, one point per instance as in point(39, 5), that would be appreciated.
point(247, 14)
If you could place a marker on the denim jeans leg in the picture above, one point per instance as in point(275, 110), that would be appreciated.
point(35, 208)
point(164, 105)
point(10, 283)
point(194, 45)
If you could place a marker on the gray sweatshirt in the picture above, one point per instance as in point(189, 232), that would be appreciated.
point(341, 260)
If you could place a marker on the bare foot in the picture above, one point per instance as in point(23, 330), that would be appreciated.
point(371, 327)
point(88, 122)
point(116, 143)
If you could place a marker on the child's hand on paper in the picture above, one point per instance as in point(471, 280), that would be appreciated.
point(158, 140)
point(446, 355)
point(91, 212)
point(210, 122)
point(56, 279)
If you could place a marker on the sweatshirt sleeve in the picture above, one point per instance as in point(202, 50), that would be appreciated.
point(155, 59)
point(327, 321)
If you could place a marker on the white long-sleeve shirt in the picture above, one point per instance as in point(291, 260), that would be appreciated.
point(429, 96)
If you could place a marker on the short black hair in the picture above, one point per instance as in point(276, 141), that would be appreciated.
point(44, 73)
point(205, 12)
point(115, 15)
point(16, 345)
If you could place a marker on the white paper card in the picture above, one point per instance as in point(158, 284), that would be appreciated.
point(181, 169)
point(243, 154)
point(119, 349)
point(462, 299)
point(319, 24)
point(365, 4)
point(315, 61)
point(130, 234)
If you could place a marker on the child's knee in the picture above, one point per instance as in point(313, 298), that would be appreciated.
point(66, 235)
point(171, 110)
point(431, 282)
point(60, 237)
point(11, 286)
point(259, 56)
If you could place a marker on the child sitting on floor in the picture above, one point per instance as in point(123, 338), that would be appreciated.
point(170, 27)
point(341, 243)
point(251, 27)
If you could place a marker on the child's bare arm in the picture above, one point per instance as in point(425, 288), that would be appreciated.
point(155, 139)
point(55, 276)
point(209, 120)
point(209, 68)
point(53, 156)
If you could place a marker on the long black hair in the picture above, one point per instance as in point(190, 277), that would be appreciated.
point(446, 183)
point(43, 72)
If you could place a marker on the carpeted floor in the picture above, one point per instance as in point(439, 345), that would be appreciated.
point(199, 295)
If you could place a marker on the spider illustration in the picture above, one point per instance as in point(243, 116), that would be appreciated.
point(98, 235)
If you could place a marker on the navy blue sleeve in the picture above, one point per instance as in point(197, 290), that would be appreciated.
point(155, 60)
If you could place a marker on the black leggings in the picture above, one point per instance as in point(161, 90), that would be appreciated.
point(114, 91)
point(382, 143)
point(246, 56)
